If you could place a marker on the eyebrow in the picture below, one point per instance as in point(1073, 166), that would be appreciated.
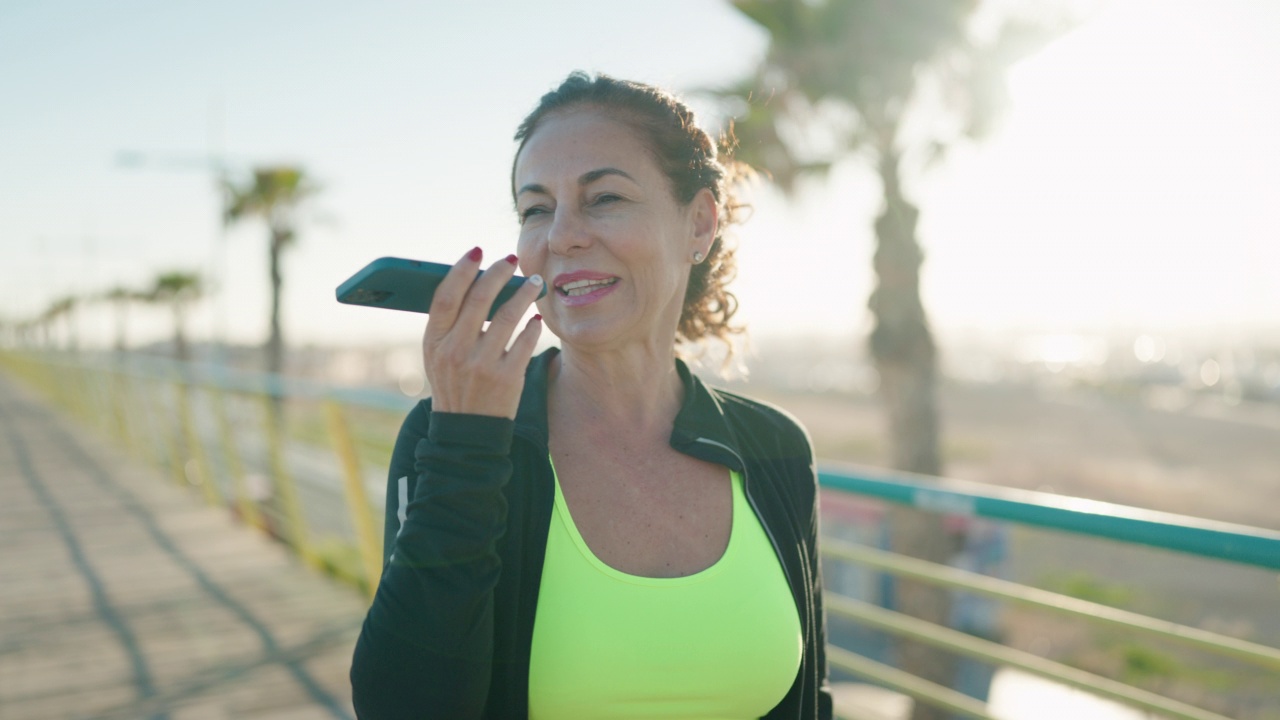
point(586, 179)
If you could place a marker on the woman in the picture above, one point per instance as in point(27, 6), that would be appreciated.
point(594, 533)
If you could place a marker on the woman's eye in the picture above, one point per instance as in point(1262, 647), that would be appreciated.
point(605, 199)
point(531, 211)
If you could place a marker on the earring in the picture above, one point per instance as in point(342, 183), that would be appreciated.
point(697, 257)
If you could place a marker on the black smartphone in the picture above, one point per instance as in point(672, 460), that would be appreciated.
point(401, 284)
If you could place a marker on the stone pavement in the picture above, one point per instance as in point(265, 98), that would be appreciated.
point(123, 596)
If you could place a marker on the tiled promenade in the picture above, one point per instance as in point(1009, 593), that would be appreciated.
point(123, 596)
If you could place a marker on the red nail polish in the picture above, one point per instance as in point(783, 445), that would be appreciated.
point(475, 254)
point(538, 316)
point(512, 259)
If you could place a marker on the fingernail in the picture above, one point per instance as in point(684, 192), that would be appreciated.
point(475, 254)
point(537, 317)
point(512, 259)
point(536, 281)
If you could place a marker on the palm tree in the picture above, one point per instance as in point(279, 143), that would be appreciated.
point(854, 73)
point(120, 298)
point(63, 309)
point(274, 194)
point(178, 290)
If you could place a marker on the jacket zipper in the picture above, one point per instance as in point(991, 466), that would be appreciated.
point(746, 490)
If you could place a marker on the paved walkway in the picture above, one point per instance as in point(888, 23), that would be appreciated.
point(124, 597)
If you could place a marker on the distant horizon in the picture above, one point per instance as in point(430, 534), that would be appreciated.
point(1258, 335)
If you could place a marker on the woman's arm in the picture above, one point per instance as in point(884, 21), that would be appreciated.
point(401, 477)
point(426, 645)
point(426, 649)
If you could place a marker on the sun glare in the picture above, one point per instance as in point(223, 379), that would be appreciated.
point(1132, 182)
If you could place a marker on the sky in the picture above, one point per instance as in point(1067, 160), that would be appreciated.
point(1134, 183)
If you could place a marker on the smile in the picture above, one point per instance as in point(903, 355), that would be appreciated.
point(583, 287)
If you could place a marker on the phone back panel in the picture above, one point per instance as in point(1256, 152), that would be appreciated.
point(394, 283)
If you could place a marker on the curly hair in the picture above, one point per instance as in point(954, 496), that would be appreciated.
point(690, 159)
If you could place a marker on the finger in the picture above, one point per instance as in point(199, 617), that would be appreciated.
point(450, 293)
point(522, 349)
point(508, 316)
point(475, 306)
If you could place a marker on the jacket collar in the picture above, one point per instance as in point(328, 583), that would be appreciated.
point(701, 429)
point(531, 415)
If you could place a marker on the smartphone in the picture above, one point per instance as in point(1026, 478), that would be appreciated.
point(401, 284)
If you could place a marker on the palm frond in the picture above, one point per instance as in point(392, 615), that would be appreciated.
point(270, 191)
point(176, 286)
point(839, 75)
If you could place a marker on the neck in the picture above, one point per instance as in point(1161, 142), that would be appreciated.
point(635, 393)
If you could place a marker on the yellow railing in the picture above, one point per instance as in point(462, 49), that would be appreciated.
point(235, 438)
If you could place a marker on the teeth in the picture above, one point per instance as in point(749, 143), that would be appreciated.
point(582, 287)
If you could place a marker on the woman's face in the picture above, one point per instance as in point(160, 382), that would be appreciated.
point(599, 222)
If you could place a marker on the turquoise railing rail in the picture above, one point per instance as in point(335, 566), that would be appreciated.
point(1207, 538)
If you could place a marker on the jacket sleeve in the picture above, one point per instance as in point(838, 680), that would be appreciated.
point(401, 475)
point(426, 646)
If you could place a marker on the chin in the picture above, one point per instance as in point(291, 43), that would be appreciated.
point(586, 339)
point(591, 335)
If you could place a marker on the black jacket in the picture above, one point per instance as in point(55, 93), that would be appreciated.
point(451, 626)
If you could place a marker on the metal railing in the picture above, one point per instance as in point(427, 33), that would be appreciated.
point(305, 462)
point(1247, 546)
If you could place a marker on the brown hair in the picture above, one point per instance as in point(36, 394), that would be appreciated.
point(688, 157)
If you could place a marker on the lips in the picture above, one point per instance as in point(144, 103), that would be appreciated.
point(582, 287)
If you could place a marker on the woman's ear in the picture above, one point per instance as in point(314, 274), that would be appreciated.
point(705, 216)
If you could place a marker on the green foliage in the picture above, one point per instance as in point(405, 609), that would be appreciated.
point(61, 306)
point(849, 72)
point(272, 194)
point(122, 294)
point(176, 287)
point(1084, 586)
point(1143, 663)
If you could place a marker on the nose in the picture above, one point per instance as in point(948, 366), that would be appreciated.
point(568, 232)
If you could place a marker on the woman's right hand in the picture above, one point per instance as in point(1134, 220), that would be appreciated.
point(469, 366)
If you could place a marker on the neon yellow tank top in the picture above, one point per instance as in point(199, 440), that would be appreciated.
point(719, 644)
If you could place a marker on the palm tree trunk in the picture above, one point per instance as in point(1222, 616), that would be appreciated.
point(275, 366)
point(275, 341)
point(905, 356)
point(180, 349)
point(901, 343)
point(122, 322)
point(73, 331)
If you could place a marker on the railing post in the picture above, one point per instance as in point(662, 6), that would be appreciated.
point(117, 398)
point(173, 438)
point(357, 500)
point(195, 446)
point(156, 436)
point(85, 396)
point(247, 506)
point(297, 534)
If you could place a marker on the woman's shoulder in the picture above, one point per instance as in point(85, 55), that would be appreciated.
point(763, 418)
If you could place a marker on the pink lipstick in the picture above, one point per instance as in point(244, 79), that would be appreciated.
point(583, 287)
